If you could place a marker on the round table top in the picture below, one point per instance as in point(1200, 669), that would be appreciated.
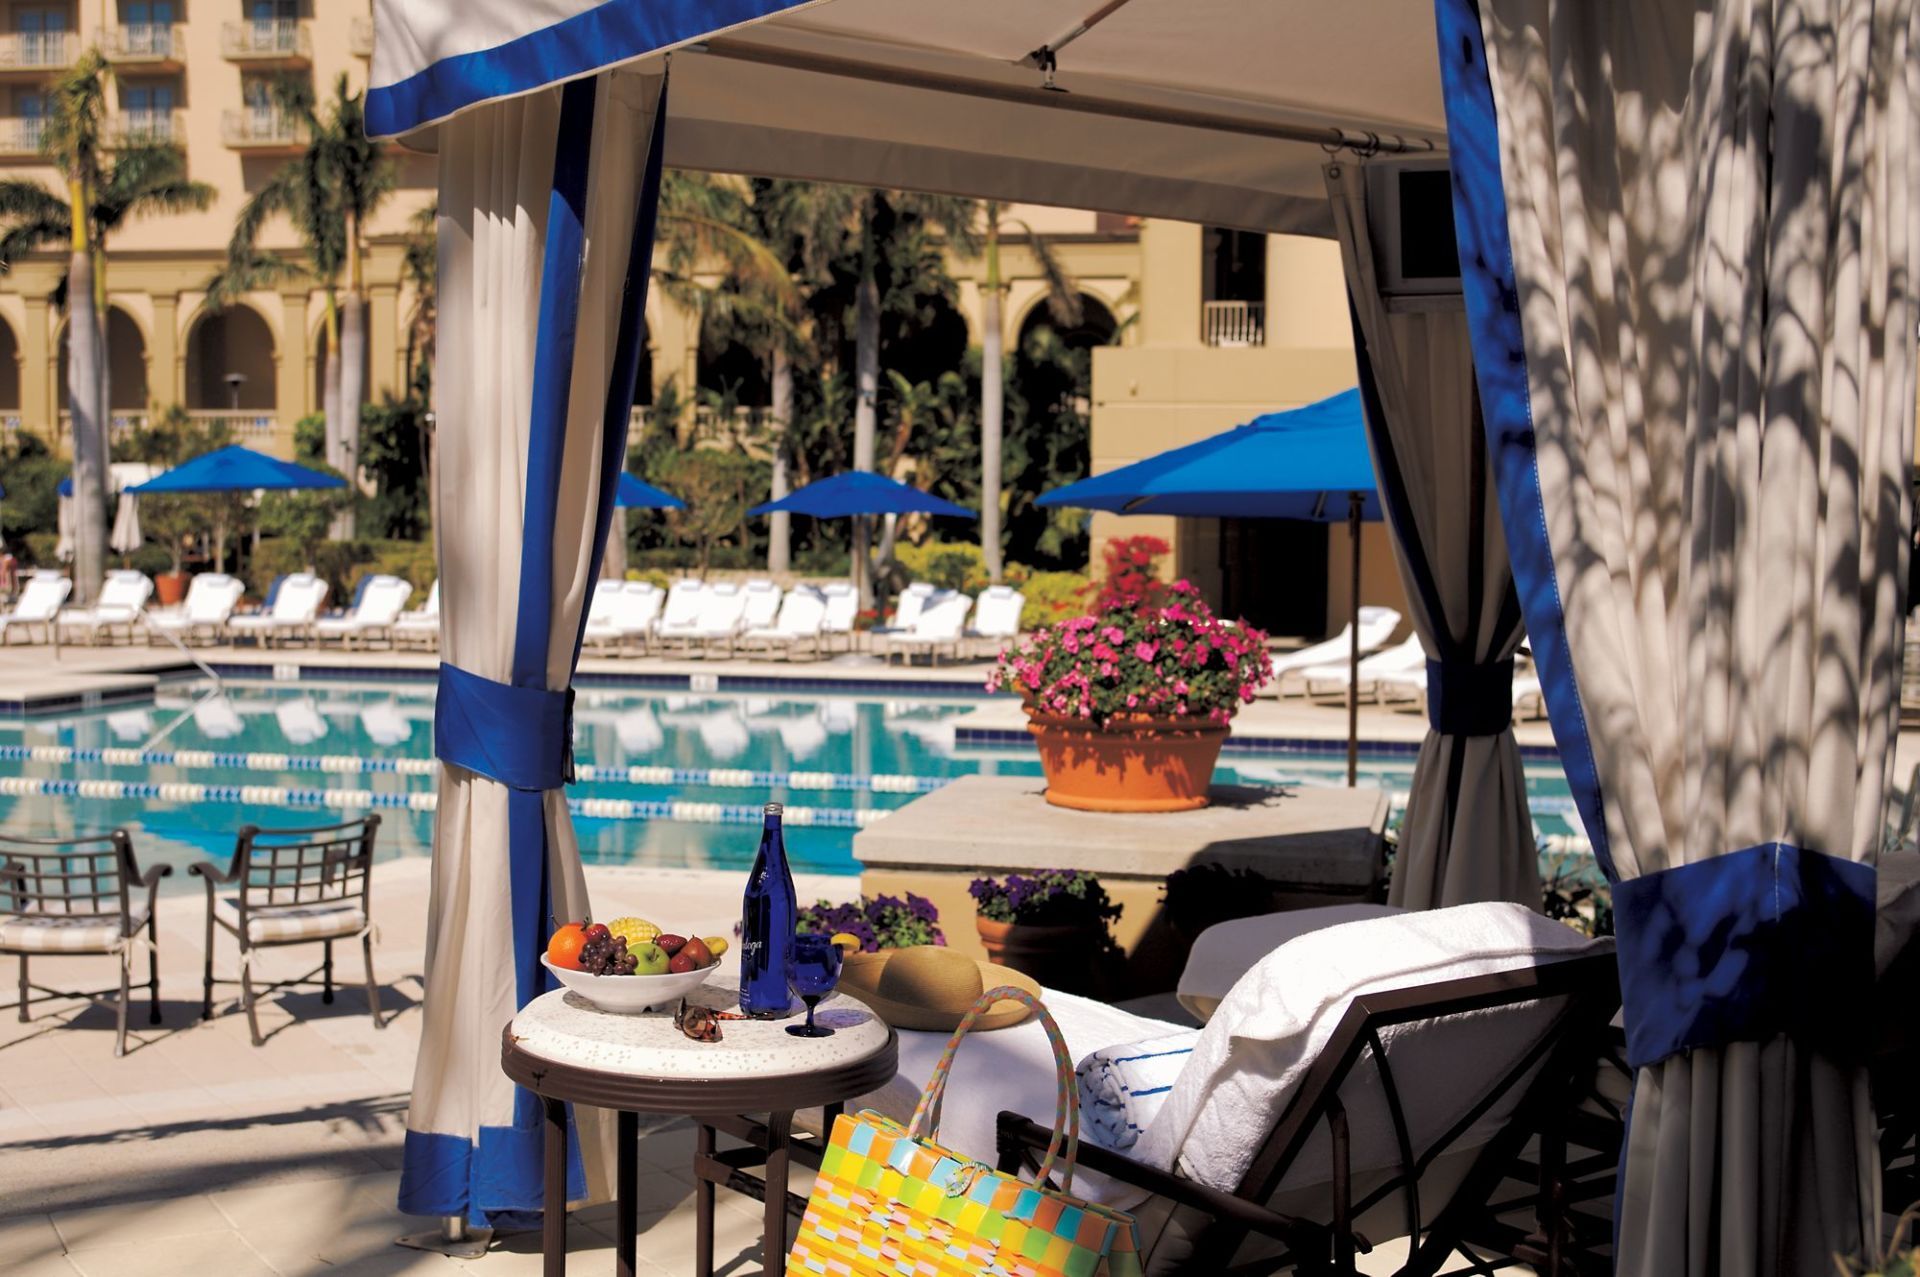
point(562, 1046)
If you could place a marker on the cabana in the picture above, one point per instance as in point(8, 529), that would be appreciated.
point(1679, 395)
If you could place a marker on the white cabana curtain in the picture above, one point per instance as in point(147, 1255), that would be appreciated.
point(546, 223)
point(1468, 835)
point(1688, 233)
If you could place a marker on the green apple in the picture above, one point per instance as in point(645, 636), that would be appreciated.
point(651, 957)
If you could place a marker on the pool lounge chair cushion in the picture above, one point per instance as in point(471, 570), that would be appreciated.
point(72, 933)
point(275, 924)
point(1228, 950)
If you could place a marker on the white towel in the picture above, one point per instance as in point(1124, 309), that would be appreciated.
point(1122, 1087)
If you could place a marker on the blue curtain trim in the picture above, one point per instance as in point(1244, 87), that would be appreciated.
point(1500, 366)
point(1770, 940)
point(606, 35)
point(519, 736)
point(498, 1175)
point(1464, 699)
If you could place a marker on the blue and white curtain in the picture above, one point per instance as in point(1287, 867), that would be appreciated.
point(547, 208)
point(1468, 834)
point(1688, 233)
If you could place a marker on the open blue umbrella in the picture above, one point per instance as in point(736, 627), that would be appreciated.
point(638, 495)
point(237, 469)
point(861, 492)
point(1307, 463)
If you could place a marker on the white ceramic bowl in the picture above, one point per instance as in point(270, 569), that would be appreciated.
point(631, 994)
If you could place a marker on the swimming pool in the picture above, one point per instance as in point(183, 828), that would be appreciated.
point(665, 779)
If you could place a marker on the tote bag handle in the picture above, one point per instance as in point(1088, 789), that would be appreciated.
point(1066, 1109)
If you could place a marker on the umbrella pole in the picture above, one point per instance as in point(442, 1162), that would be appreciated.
point(1353, 644)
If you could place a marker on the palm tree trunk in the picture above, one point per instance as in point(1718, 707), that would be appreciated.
point(613, 564)
point(106, 360)
point(992, 401)
point(330, 378)
point(780, 526)
point(353, 396)
point(84, 384)
point(866, 370)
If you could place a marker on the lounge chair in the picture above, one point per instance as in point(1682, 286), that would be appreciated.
point(76, 896)
point(38, 604)
point(1337, 1093)
point(291, 613)
point(907, 606)
point(123, 596)
point(763, 604)
point(422, 625)
point(843, 611)
point(717, 621)
point(680, 617)
point(1377, 625)
point(996, 616)
point(1404, 657)
point(375, 611)
point(288, 887)
point(622, 612)
point(939, 625)
point(1528, 700)
point(801, 622)
point(211, 598)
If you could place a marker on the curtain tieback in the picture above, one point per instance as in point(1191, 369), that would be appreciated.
point(1464, 699)
point(519, 736)
point(1769, 940)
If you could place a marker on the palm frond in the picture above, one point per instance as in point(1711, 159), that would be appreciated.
point(29, 235)
point(1063, 295)
point(23, 200)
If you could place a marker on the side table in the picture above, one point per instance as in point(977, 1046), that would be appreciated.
point(565, 1050)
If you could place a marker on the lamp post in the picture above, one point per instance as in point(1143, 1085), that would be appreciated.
point(234, 381)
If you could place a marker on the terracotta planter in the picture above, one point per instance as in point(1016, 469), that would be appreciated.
point(1058, 957)
point(171, 587)
point(1138, 764)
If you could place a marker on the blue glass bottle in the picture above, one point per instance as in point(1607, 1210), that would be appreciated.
point(767, 916)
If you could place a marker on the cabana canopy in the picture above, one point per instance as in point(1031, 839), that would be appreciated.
point(1212, 111)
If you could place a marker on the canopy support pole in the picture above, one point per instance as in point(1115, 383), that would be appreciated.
point(1353, 643)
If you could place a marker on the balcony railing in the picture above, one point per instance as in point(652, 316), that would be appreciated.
point(360, 38)
point(262, 129)
point(243, 422)
point(21, 135)
point(148, 43)
point(38, 50)
point(1233, 323)
point(267, 40)
point(149, 126)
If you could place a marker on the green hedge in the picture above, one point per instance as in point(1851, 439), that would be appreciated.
point(1052, 596)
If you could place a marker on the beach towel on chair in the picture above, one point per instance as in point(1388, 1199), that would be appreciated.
point(1123, 1086)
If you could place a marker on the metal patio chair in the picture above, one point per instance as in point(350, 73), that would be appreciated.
point(1363, 1146)
point(290, 887)
point(71, 896)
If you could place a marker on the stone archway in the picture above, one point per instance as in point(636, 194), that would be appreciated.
point(228, 344)
point(128, 391)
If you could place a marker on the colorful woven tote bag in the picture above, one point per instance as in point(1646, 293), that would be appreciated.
point(890, 1202)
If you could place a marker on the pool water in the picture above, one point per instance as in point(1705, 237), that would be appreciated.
point(673, 780)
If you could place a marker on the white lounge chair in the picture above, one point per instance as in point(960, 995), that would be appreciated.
point(717, 620)
point(843, 611)
point(296, 605)
point(907, 606)
point(763, 604)
point(940, 625)
point(1377, 625)
point(382, 599)
point(123, 595)
point(802, 621)
point(1528, 700)
point(211, 598)
point(996, 616)
point(680, 617)
point(623, 611)
point(422, 625)
point(1404, 657)
point(38, 604)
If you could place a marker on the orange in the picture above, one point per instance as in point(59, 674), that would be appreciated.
point(564, 949)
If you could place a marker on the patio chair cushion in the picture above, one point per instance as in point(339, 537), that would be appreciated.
point(1268, 1031)
point(71, 933)
point(1228, 950)
point(280, 924)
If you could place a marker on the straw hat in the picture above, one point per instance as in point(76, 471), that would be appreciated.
point(930, 987)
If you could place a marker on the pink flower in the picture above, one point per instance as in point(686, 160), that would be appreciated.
point(1114, 634)
point(1106, 670)
point(1144, 650)
point(1132, 700)
point(1180, 687)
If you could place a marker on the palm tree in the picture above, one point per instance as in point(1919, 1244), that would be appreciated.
point(1063, 302)
point(329, 192)
point(142, 177)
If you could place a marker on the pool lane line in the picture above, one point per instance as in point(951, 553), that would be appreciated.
point(646, 809)
point(350, 765)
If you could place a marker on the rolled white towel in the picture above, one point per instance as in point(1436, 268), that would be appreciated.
point(1123, 1086)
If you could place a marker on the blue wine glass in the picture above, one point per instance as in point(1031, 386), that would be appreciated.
point(813, 968)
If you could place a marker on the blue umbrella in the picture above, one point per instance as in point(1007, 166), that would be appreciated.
point(861, 492)
point(1309, 463)
point(237, 469)
point(637, 495)
point(1303, 464)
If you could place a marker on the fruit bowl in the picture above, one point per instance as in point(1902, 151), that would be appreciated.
point(630, 994)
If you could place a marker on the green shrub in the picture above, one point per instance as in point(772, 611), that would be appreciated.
point(1052, 596)
point(40, 547)
point(335, 562)
point(31, 474)
point(151, 559)
point(684, 559)
point(945, 565)
point(412, 561)
point(652, 576)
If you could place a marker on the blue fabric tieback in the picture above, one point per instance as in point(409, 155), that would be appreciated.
point(1770, 940)
point(1470, 700)
point(519, 736)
